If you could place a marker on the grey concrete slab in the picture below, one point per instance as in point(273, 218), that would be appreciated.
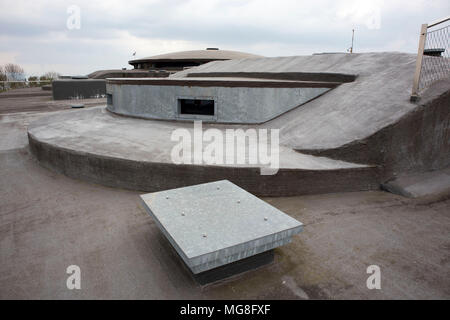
point(214, 224)
point(416, 185)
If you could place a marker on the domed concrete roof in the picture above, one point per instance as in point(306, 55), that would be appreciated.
point(210, 54)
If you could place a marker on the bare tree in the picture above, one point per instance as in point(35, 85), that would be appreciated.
point(14, 72)
point(51, 75)
point(2, 74)
point(2, 78)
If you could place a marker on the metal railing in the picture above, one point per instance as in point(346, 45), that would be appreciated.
point(433, 56)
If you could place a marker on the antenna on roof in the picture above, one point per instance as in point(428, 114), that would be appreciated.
point(353, 36)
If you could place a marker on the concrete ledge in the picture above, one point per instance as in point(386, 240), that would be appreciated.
point(235, 268)
point(292, 76)
point(420, 185)
point(151, 176)
point(224, 82)
point(97, 146)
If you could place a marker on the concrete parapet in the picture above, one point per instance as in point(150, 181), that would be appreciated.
point(78, 89)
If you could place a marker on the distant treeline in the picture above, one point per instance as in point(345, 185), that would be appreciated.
point(13, 76)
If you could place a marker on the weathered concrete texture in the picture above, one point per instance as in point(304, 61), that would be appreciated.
point(48, 222)
point(238, 104)
point(78, 89)
point(218, 223)
point(418, 141)
point(420, 184)
point(135, 154)
point(370, 120)
point(378, 97)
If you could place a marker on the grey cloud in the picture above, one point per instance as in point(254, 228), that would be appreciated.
point(45, 38)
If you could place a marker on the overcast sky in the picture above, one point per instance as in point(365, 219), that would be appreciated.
point(35, 34)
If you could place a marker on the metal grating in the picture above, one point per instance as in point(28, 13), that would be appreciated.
point(436, 59)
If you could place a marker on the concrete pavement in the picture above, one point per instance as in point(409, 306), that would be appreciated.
point(49, 221)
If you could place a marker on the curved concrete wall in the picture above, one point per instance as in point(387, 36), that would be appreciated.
point(419, 141)
point(232, 104)
point(152, 176)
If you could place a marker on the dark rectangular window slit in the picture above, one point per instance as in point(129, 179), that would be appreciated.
point(109, 99)
point(196, 107)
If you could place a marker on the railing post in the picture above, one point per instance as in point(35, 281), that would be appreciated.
point(415, 88)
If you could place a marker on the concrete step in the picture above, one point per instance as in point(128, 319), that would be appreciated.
point(100, 147)
point(417, 185)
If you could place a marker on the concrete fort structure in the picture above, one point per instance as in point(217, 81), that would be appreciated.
point(218, 224)
point(345, 123)
point(222, 100)
point(176, 61)
point(160, 66)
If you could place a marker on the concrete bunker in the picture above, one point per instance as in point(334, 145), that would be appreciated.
point(345, 140)
point(241, 99)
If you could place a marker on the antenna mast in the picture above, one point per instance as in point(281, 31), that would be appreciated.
point(353, 36)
